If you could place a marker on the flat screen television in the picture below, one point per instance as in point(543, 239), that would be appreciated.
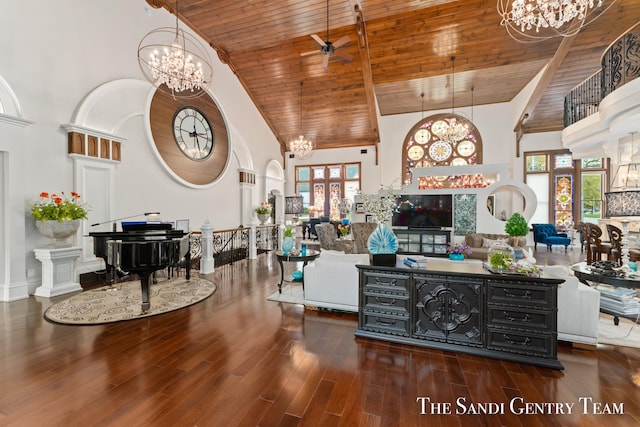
point(423, 211)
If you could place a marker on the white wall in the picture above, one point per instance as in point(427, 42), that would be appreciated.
point(55, 53)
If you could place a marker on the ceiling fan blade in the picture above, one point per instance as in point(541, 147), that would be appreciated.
point(313, 52)
point(318, 40)
point(325, 61)
point(342, 41)
point(344, 57)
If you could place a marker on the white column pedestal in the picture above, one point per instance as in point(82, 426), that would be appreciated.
point(58, 272)
point(207, 263)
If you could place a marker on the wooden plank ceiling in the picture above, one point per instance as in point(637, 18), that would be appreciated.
point(399, 49)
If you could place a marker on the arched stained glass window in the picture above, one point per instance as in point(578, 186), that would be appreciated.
point(441, 140)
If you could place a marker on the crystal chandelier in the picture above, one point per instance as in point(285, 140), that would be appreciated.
point(175, 62)
point(452, 133)
point(455, 131)
point(556, 18)
point(301, 147)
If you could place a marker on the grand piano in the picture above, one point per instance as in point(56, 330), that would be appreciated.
point(142, 248)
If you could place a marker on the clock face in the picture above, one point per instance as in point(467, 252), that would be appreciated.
point(193, 134)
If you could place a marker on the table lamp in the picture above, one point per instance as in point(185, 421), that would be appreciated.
point(293, 205)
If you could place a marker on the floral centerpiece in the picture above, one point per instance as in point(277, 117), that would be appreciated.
point(460, 249)
point(382, 242)
point(344, 229)
point(264, 208)
point(380, 206)
point(526, 268)
point(59, 207)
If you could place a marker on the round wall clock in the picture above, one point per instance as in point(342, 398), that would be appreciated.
point(190, 138)
point(193, 133)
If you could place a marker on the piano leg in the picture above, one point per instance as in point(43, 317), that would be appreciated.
point(187, 264)
point(145, 277)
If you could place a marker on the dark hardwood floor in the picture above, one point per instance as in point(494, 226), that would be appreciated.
point(237, 359)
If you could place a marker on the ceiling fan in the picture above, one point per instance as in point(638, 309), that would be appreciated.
point(328, 48)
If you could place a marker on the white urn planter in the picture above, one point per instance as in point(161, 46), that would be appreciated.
point(263, 218)
point(58, 231)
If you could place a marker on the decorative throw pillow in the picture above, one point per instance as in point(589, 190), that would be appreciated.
point(486, 243)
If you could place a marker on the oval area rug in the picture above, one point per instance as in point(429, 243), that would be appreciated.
point(123, 301)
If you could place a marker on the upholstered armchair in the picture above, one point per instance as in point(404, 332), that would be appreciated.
point(548, 235)
point(329, 239)
point(361, 232)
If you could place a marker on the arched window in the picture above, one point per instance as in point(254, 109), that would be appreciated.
point(441, 140)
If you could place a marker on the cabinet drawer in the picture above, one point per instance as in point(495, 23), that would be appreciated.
point(386, 302)
point(396, 284)
point(386, 323)
point(520, 318)
point(518, 293)
point(521, 342)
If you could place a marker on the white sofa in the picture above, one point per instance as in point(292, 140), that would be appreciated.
point(331, 280)
point(578, 308)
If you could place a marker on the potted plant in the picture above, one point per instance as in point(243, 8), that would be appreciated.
point(288, 242)
point(263, 211)
point(58, 216)
point(515, 227)
point(344, 229)
point(457, 252)
point(500, 258)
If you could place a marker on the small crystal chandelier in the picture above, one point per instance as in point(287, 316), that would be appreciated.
point(560, 18)
point(455, 131)
point(181, 67)
point(301, 147)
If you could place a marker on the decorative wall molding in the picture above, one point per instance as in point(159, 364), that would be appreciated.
point(93, 143)
point(247, 176)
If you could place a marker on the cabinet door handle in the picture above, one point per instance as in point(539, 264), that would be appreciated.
point(382, 301)
point(526, 341)
point(387, 322)
point(510, 294)
point(526, 318)
point(391, 282)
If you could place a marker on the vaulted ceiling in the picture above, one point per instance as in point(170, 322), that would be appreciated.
point(399, 49)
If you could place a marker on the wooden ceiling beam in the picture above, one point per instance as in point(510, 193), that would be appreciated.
point(547, 77)
point(367, 74)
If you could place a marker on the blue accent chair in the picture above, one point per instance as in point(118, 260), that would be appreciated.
point(547, 234)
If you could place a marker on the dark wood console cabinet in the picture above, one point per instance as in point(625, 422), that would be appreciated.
point(460, 307)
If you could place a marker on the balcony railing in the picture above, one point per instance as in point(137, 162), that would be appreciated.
point(232, 245)
point(267, 238)
point(620, 65)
